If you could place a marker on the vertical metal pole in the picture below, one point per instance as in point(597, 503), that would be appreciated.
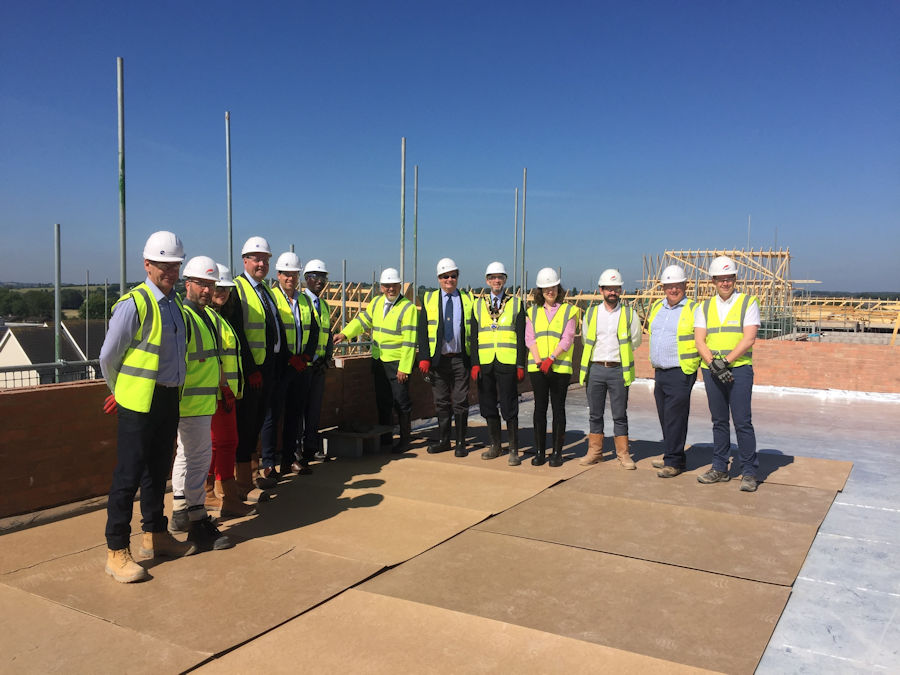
point(105, 307)
point(516, 244)
point(57, 299)
point(120, 68)
point(415, 296)
point(524, 194)
point(228, 187)
point(87, 313)
point(344, 294)
point(402, 209)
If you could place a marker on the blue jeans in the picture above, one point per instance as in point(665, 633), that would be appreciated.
point(733, 398)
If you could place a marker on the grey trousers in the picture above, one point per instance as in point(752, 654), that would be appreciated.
point(600, 381)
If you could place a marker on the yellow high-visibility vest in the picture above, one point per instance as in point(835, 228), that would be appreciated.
point(688, 356)
point(722, 337)
point(549, 333)
point(323, 318)
point(254, 317)
point(201, 381)
point(229, 353)
point(431, 303)
point(287, 318)
point(497, 339)
point(393, 335)
point(623, 334)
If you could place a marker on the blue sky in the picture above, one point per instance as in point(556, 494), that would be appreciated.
point(644, 126)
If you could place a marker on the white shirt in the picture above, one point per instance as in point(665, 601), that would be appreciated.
point(751, 318)
point(606, 348)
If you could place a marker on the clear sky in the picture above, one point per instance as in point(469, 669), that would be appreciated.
point(643, 125)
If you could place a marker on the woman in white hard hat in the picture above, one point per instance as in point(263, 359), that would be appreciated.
point(550, 337)
point(725, 328)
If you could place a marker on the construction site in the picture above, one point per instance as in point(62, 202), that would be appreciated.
point(382, 563)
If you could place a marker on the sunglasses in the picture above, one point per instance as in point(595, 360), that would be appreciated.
point(451, 275)
point(316, 275)
point(166, 267)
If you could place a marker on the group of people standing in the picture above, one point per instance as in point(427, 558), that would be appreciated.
point(239, 364)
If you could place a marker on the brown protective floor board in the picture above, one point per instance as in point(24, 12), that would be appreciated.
point(672, 613)
point(776, 502)
point(824, 474)
point(29, 547)
point(381, 530)
point(359, 632)
point(758, 549)
point(192, 601)
point(40, 636)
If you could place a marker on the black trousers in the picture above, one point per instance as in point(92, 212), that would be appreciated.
point(550, 388)
point(672, 392)
point(313, 389)
point(498, 387)
point(252, 409)
point(286, 407)
point(146, 447)
point(450, 386)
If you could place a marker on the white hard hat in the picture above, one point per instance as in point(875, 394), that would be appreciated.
point(610, 277)
point(390, 276)
point(256, 245)
point(164, 246)
point(201, 267)
point(722, 266)
point(673, 274)
point(288, 262)
point(315, 265)
point(547, 278)
point(224, 280)
point(446, 265)
point(495, 268)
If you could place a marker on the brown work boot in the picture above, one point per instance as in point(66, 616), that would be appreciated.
point(243, 474)
point(658, 463)
point(622, 453)
point(669, 472)
point(232, 504)
point(121, 566)
point(213, 502)
point(594, 451)
point(155, 544)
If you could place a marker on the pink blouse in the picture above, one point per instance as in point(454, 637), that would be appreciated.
point(568, 336)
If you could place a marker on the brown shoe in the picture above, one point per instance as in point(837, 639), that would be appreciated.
point(713, 476)
point(594, 451)
point(669, 472)
point(213, 501)
point(155, 544)
point(622, 453)
point(232, 504)
point(658, 463)
point(266, 478)
point(121, 566)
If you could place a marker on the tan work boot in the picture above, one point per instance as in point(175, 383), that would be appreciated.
point(622, 453)
point(658, 463)
point(164, 544)
point(594, 451)
point(121, 566)
point(213, 502)
point(243, 474)
point(232, 504)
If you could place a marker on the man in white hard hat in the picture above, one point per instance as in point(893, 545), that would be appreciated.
point(318, 347)
point(143, 362)
point(264, 351)
point(289, 397)
point(611, 332)
point(391, 319)
point(725, 328)
point(675, 360)
point(193, 452)
point(444, 354)
point(499, 358)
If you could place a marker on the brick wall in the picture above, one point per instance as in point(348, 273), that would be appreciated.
point(57, 447)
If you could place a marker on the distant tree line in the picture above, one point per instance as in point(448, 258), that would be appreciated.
point(37, 305)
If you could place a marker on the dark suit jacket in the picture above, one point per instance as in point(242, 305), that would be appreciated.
point(422, 335)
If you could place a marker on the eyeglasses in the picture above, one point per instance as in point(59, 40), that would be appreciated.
point(166, 267)
point(495, 277)
point(257, 257)
point(449, 275)
point(318, 276)
point(205, 283)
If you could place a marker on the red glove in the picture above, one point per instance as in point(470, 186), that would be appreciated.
point(298, 363)
point(520, 374)
point(227, 399)
point(546, 365)
point(255, 380)
point(476, 371)
point(109, 405)
point(425, 366)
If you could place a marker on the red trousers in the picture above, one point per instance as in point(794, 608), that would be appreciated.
point(224, 439)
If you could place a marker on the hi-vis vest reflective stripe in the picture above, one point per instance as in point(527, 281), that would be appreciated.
point(623, 334)
point(393, 336)
point(229, 353)
point(323, 319)
point(723, 337)
point(548, 335)
point(254, 318)
point(433, 311)
point(140, 366)
point(287, 318)
point(497, 340)
point(201, 382)
point(688, 356)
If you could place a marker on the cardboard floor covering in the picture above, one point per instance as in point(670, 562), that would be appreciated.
point(206, 602)
point(40, 636)
point(360, 632)
point(666, 612)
